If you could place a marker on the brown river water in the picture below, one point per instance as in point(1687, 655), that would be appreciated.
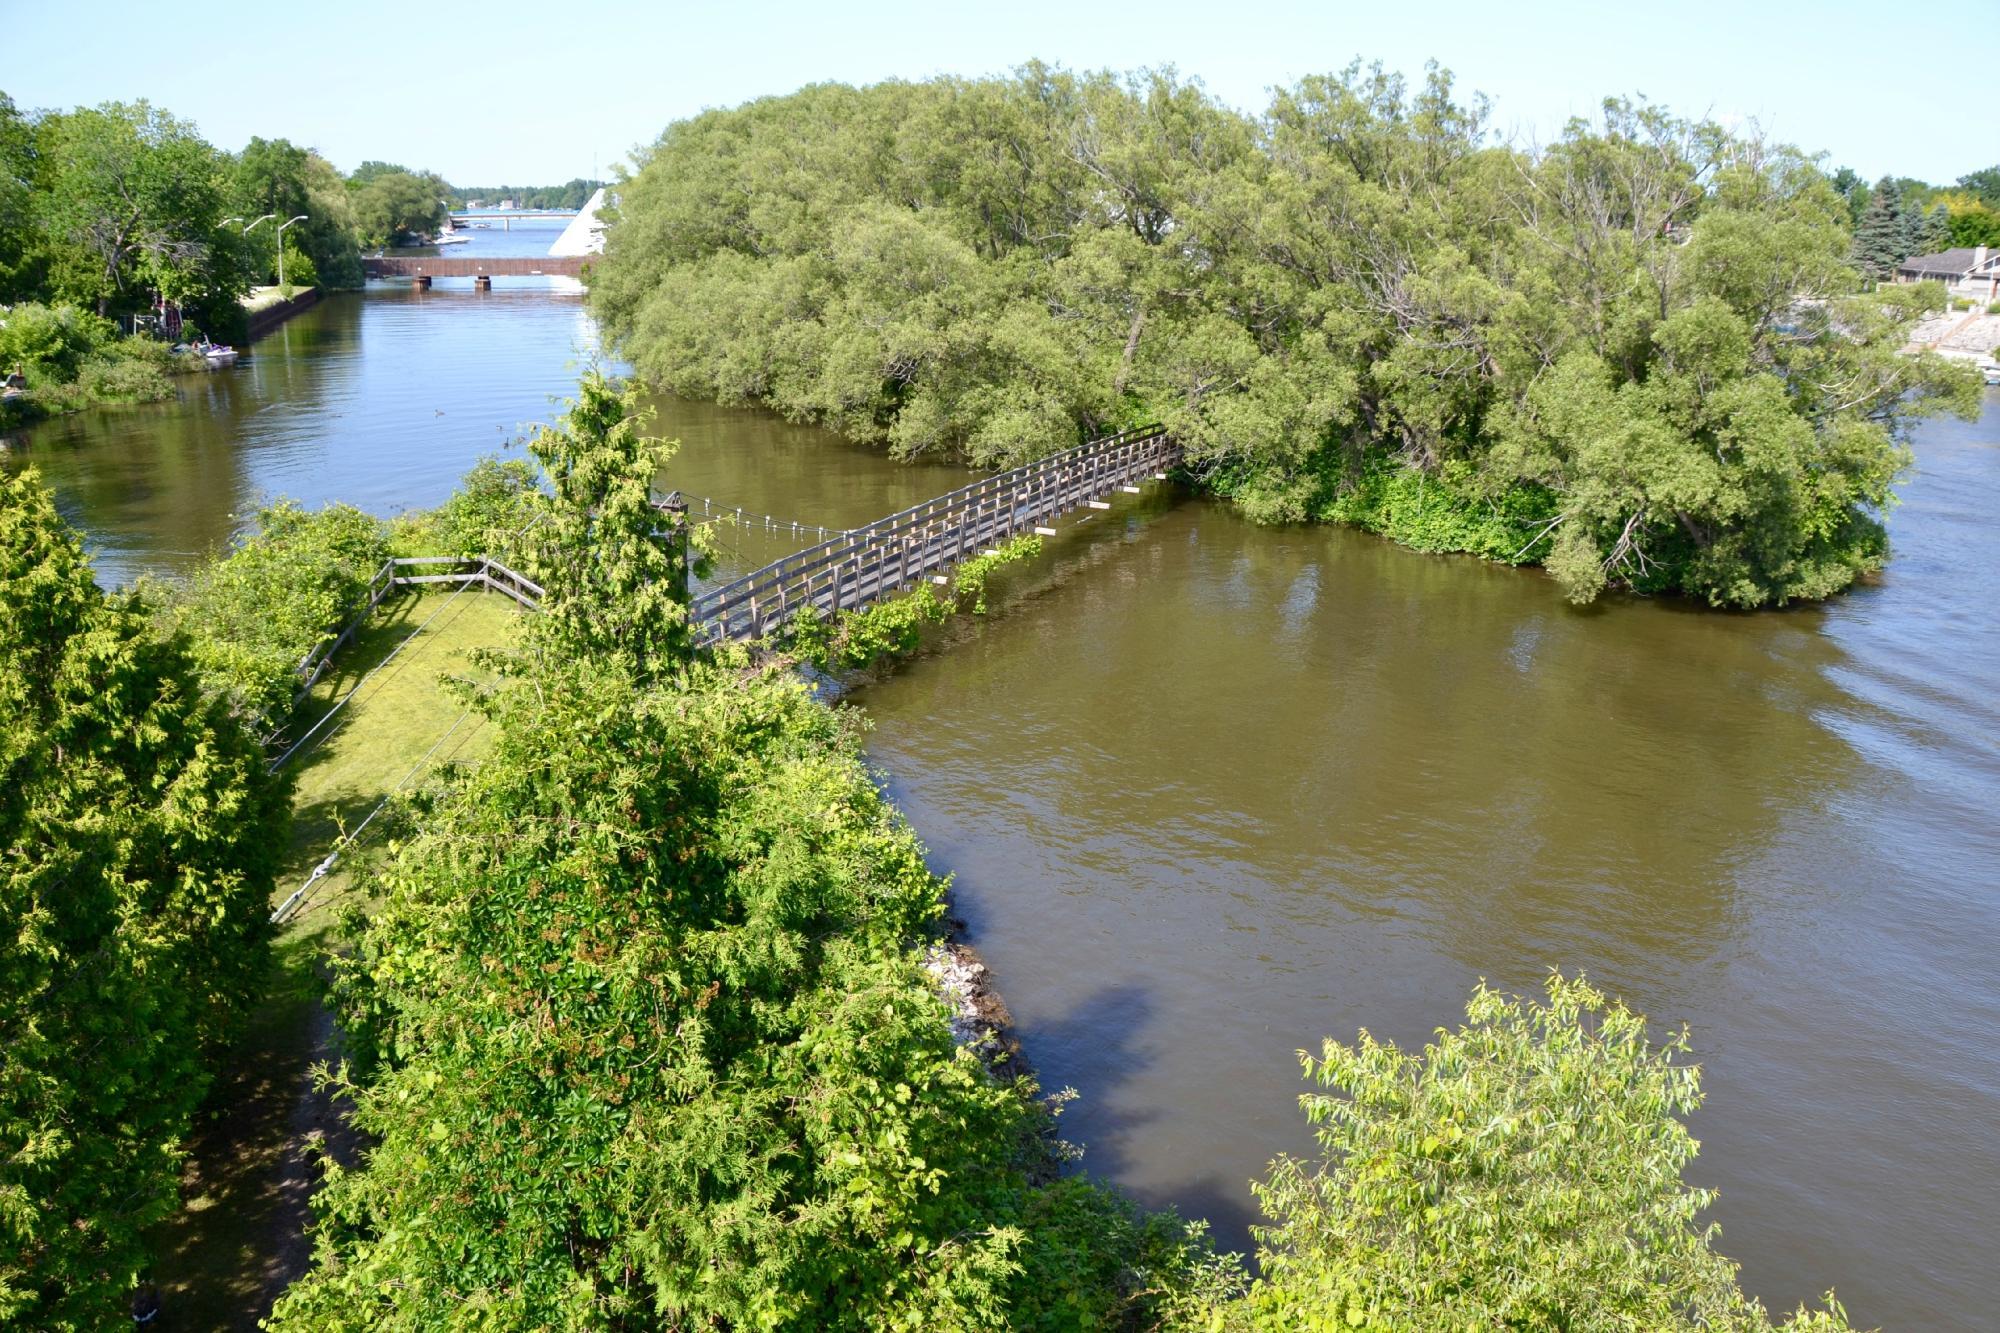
point(1210, 792)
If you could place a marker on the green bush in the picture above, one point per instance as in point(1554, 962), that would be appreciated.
point(50, 344)
point(1523, 1172)
point(125, 379)
point(142, 836)
point(285, 589)
point(486, 515)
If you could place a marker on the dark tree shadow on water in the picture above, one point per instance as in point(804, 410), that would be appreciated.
point(1096, 1048)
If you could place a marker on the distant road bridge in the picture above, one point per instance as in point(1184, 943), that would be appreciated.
point(510, 216)
point(422, 268)
point(865, 565)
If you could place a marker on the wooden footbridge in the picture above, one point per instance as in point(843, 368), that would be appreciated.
point(863, 566)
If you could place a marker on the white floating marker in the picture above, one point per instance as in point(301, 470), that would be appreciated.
point(1159, 476)
point(939, 579)
point(1129, 490)
point(1045, 532)
point(1097, 504)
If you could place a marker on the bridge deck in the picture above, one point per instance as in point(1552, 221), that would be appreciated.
point(440, 266)
point(860, 567)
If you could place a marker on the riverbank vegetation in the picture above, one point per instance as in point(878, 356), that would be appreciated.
point(637, 1029)
point(1638, 355)
point(142, 833)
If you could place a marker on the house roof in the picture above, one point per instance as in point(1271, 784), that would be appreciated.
point(1955, 263)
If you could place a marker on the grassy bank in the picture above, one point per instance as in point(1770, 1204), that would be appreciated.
point(241, 1235)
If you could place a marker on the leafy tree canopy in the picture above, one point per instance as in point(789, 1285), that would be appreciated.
point(141, 833)
point(1615, 355)
point(1523, 1172)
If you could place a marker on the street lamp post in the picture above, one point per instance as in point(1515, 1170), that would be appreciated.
point(281, 247)
point(258, 223)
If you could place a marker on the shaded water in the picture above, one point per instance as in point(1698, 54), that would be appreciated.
point(1211, 792)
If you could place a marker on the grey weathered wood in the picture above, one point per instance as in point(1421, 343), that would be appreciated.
point(860, 567)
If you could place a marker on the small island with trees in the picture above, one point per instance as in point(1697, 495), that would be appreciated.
point(639, 1017)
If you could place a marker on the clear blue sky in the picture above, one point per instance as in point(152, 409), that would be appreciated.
point(512, 93)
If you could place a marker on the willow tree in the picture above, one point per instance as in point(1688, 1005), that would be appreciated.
point(142, 834)
point(1635, 354)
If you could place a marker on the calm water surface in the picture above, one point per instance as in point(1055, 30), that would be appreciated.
point(1211, 792)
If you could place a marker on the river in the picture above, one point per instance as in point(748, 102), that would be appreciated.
point(1211, 792)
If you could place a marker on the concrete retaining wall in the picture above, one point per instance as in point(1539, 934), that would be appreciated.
point(271, 316)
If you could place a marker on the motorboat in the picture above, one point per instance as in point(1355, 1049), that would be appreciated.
point(1993, 374)
point(216, 355)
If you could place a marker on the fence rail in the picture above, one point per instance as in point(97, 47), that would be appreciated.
point(482, 570)
point(859, 567)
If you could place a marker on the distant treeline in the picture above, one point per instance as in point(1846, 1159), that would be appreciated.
point(1898, 216)
point(574, 194)
point(1641, 354)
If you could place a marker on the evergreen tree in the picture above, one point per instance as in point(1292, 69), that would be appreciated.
point(1936, 235)
point(612, 569)
point(1878, 240)
point(141, 831)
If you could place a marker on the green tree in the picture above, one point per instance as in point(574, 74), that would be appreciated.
point(19, 275)
point(276, 176)
point(1936, 234)
point(1983, 184)
point(131, 200)
point(612, 565)
point(1878, 236)
point(392, 204)
point(142, 834)
point(1358, 308)
point(1523, 1172)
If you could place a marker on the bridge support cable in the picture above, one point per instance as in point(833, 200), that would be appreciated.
point(296, 901)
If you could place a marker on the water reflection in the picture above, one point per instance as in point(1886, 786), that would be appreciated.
point(1296, 783)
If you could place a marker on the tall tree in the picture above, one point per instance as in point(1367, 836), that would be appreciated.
point(1878, 237)
point(612, 565)
point(18, 260)
point(391, 204)
point(1984, 183)
point(132, 199)
point(1936, 234)
point(141, 831)
point(277, 176)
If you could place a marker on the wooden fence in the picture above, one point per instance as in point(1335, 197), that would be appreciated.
point(483, 571)
point(857, 568)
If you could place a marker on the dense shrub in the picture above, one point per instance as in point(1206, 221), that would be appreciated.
point(486, 515)
point(1639, 354)
point(141, 835)
point(288, 586)
point(50, 344)
point(1523, 1172)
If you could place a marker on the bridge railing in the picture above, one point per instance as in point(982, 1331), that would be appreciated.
point(482, 570)
point(859, 567)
